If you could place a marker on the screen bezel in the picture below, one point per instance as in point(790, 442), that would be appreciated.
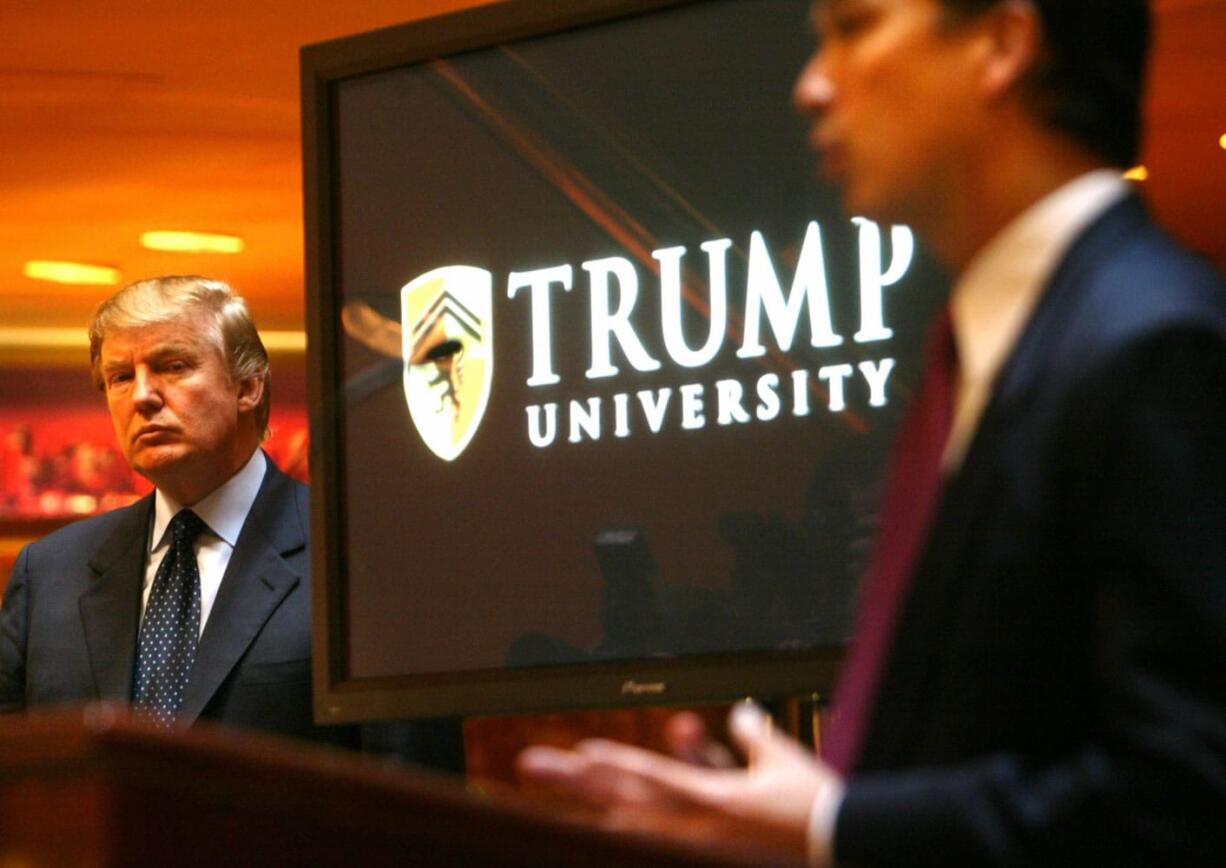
point(338, 697)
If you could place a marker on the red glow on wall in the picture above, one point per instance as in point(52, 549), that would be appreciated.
point(63, 460)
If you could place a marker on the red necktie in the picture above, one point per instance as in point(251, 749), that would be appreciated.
point(911, 494)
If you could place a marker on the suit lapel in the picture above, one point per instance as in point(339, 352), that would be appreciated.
point(110, 607)
point(1050, 330)
point(914, 663)
point(256, 581)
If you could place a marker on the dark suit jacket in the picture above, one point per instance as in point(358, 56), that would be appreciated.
point(1056, 689)
point(71, 613)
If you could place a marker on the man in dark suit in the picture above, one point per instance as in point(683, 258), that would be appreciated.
point(1037, 674)
point(91, 610)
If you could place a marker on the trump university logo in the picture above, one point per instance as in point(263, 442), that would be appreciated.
point(447, 328)
point(448, 341)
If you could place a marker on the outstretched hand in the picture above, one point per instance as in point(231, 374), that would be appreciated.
point(700, 795)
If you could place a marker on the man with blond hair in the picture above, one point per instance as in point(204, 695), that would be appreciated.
point(194, 602)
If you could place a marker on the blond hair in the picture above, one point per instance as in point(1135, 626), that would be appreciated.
point(177, 297)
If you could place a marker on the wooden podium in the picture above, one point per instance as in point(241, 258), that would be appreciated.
point(92, 787)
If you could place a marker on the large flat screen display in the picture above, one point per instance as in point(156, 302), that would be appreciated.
point(603, 376)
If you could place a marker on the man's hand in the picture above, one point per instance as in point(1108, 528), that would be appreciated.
point(769, 802)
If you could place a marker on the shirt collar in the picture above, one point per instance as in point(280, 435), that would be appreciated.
point(224, 510)
point(995, 293)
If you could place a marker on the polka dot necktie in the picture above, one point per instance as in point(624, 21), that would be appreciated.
point(170, 629)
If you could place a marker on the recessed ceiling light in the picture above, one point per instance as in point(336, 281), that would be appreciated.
point(191, 242)
point(71, 272)
point(283, 341)
point(1137, 173)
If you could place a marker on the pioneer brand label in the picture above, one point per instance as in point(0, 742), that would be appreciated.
point(643, 688)
point(448, 342)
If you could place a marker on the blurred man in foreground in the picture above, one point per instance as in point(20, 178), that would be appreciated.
point(1036, 672)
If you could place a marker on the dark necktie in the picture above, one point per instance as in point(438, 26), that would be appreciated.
point(911, 495)
point(170, 629)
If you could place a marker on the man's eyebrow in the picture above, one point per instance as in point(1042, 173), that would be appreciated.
point(173, 348)
point(161, 351)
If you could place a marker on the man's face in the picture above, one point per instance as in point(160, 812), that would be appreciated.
point(892, 96)
point(176, 413)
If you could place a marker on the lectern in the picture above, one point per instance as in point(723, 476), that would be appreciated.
point(93, 787)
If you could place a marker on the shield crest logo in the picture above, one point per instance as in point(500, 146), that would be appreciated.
point(447, 323)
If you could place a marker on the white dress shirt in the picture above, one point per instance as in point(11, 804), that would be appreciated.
point(224, 511)
point(989, 305)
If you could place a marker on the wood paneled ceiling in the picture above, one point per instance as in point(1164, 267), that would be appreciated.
point(116, 118)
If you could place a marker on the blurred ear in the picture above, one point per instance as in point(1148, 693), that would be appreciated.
point(1013, 41)
point(250, 393)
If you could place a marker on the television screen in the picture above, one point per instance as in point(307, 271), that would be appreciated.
point(603, 376)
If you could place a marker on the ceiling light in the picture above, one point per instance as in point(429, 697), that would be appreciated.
point(283, 341)
point(1137, 173)
point(70, 272)
point(191, 242)
point(1222, 142)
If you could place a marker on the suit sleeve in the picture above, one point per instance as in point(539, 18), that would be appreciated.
point(13, 637)
point(1144, 468)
